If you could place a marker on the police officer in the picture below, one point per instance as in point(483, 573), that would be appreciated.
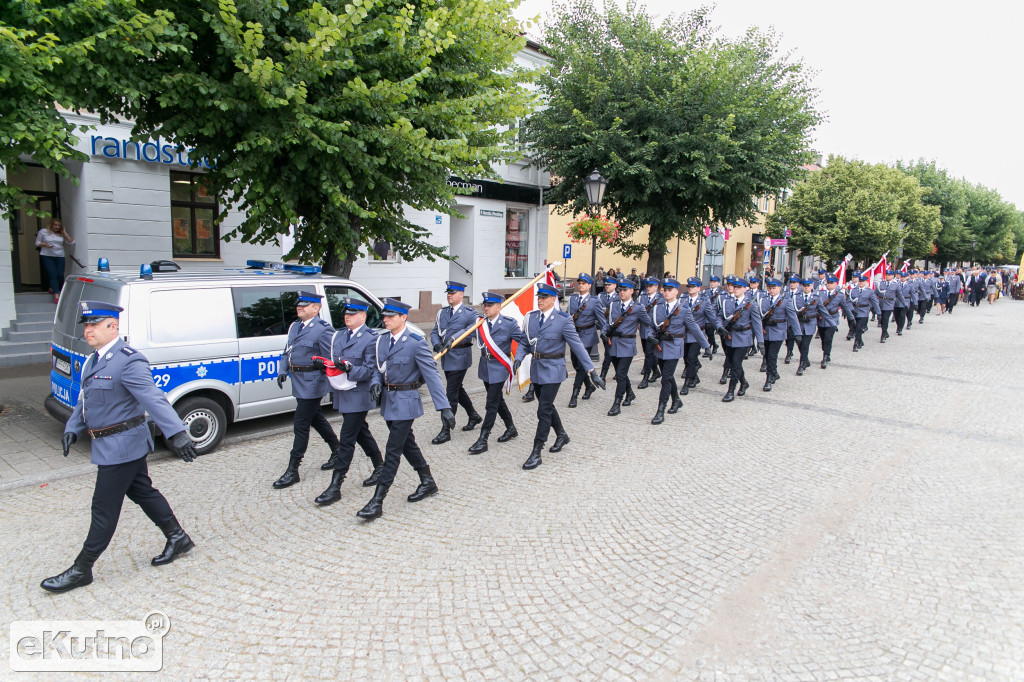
point(712, 293)
point(833, 299)
point(805, 309)
point(914, 289)
point(648, 299)
point(352, 352)
point(886, 293)
point(626, 317)
point(308, 336)
point(956, 285)
point(702, 311)
point(759, 295)
point(588, 316)
point(547, 331)
point(607, 297)
point(851, 321)
point(794, 329)
point(117, 392)
point(864, 301)
point(776, 317)
point(925, 294)
point(451, 322)
point(495, 337)
point(901, 301)
point(821, 284)
point(739, 323)
point(676, 332)
point(405, 363)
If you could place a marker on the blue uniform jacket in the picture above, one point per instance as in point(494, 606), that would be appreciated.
point(956, 285)
point(551, 340)
point(504, 330)
point(305, 341)
point(450, 325)
point(682, 328)
point(805, 312)
point(116, 388)
point(623, 343)
point(886, 293)
point(357, 348)
point(831, 304)
point(901, 294)
point(409, 362)
point(777, 319)
point(864, 301)
point(648, 301)
point(592, 318)
point(915, 291)
point(712, 295)
point(703, 312)
point(747, 327)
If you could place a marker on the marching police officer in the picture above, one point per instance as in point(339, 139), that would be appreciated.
point(833, 299)
point(405, 363)
point(886, 293)
point(702, 310)
point(914, 289)
point(352, 352)
point(739, 323)
point(450, 323)
point(901, 301)
point(821, 284)
point(547, 331)
point(607, 297)
point(851, 321)
point(794, 329)
point(676, 332)
point(956, 285)
point(626, 317)
point(648, 299)
point(308, 336)
point(805, 308)
point(864, 301)
point(495, 337)
point(759, 295)
point(117, 392)
point(588, 316)
point(777, 316)
point(712, 293)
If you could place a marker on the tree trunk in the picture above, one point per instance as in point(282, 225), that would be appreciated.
point(656, 260)
point(336, 266)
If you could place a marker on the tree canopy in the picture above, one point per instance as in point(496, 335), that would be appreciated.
point(687, 126)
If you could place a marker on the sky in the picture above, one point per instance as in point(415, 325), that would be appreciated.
point(899, 80)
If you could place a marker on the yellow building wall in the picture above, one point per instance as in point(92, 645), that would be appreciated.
point(739, 248)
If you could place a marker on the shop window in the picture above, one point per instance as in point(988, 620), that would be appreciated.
point(517, 233)
point(193, 211)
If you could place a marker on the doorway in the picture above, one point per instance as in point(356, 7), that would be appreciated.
point(460, 268)
point(40, 185)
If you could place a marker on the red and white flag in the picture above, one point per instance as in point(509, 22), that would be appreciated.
point(840, 272)
point(876, 273)
point(905, 266)
point(487, 341)
point(527, 301)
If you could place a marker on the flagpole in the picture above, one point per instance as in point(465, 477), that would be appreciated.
point(508, 300)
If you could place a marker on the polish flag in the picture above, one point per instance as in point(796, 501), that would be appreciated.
point(840, 272)
point(876, 273)
point(527, 301)
point(905, 267)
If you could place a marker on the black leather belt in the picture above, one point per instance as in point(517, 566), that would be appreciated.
point(774, 323)
point(673, 336)
point(742, 329)
point(467, 344)
point(620, 335)
point(586, 326)
point(117, 428)
point(293, 368)
point(808, 318)
point(403, 387)
point(550, 356)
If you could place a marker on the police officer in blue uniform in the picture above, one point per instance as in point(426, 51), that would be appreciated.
point(548, 330)
point(821, 284)
point(794, 329)
point(117, 392)
point(676, 333)
point(739, 323)
point(777, 316)
point(607, 297)
point(405, 363)
point(588, 316)
point(352, 352)
point(648, 299)
point(495, 337)
point(759, 295)
point(712, 293)
point(886, 293)
point(451, 322)
point(864, 301)
point(901, 301)
point(914, 289)
point(308, 336)
point(833, 299)
point(626, 318)
point(702, 311)
point(805, 307)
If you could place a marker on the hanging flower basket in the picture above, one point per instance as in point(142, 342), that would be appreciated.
point(606, 230)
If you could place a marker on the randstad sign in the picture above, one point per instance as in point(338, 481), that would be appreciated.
point(150, 152)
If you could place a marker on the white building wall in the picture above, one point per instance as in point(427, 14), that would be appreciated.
point(7, 312)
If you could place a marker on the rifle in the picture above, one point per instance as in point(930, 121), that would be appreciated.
point(663, 327)
point(735, 316)
point(576, 315)
point(615, 325)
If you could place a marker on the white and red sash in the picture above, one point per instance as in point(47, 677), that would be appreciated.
point(487, 341)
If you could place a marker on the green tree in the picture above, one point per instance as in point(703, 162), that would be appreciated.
point(991, 225)
point(686, 126)
point(953, 242)
point(854, 207)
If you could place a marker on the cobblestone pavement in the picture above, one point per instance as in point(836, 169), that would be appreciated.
point(860, 522)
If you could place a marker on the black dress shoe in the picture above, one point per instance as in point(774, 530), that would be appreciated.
point(533, 461)
point(589, 391)
point(630, 397)
point(561, 440)
point(291, 474)
point(615, 411)
point(882, 340)
point(694, 381)
point(789, 358)
point(474, 420)
point(426, 488)
point(725, 376)
point(79, 575)
point(767, 385)
point(333, 492)
point(764, 366)
point(800, 370)
point(178, 543)
point(375, 507)
point(510, 433)
point(644, 382)
point(744, 385)
point(443, 436)
point(656, 374)
point(528, 397)
point(481, 443)
point(659, 416)
point(674, 407)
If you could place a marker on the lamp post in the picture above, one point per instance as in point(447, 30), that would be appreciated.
point(594, 184)
point(974, 245)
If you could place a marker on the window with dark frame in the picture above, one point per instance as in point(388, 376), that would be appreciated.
point(193, 212)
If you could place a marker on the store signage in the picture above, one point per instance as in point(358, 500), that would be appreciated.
point(488, 213)
point(501, 191)
point(149, 152)
point(778, 243)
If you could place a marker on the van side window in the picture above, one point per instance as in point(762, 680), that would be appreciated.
point(190, 316)
point(263, 311)
point(336, 304)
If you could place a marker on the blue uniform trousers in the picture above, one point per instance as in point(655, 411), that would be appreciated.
point(354, 429)
point(547, 415)
point(401, 441)
point(307, 413)
point(496, 406)
point(826, 334)
point(114, 482)
point(456, 393)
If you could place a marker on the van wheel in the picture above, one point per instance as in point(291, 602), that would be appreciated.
point(205, 422)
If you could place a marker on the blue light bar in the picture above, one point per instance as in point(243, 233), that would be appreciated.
point(304, 269)
point(145, 271)
point(103, 265)
point(264, 264)
point(289, 267)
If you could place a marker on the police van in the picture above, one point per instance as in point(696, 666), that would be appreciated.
point(213, 338)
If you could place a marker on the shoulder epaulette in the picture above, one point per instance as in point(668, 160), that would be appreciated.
point(562, 313)
point(415, 337)
point(128, 350)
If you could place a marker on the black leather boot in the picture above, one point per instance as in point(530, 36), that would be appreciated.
point(767, 383)
point(443, 436)
point(510, 433)
point(764, 366)
point(290, 475)
point(375, 507)
point(685, 388)
point(800, 369)
point(534, 459)
point(644, 382)
point(333, 492)
point(656, 374)
point(789, 357)
point(659, 416)
point(824, 363)
point(731, 394)
point(630, 397)
point(882, 340)
point(676, 404)
point(481, 443)
point(589, 387)
point(694, 381)
point(178, 543)
point(528, 397)
point(561, 440)
point(79, 575)
point(744, 385)
point(474, 420)
point(575, 396)
point(329, 464)
point(426, 488)
point(828, 359)
point(725, 376)
point(378, 466)
point(616, 409)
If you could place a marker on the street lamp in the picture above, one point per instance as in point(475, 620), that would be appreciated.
point(595, 184)
point(974, 245)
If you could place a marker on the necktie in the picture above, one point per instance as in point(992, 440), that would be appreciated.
point(541, 325)
point(490, 326)
point(392, 344)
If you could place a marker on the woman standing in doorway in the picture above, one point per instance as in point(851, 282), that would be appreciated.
point(50, 243)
